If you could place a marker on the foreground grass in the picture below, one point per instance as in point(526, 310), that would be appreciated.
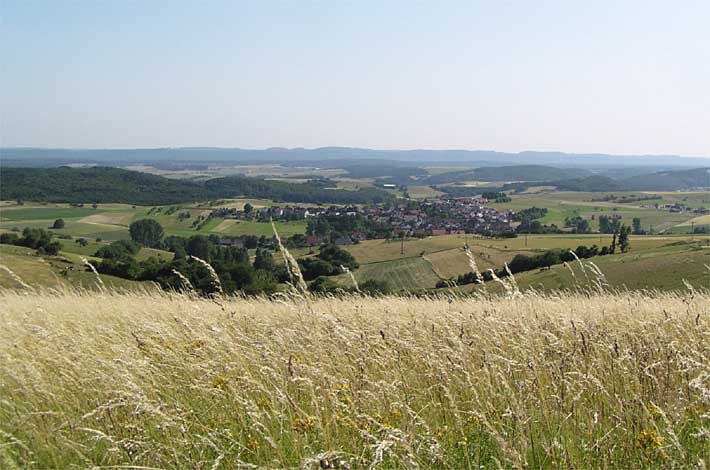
point(163, 381)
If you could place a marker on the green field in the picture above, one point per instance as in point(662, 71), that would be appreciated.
point(569, 204)
point(109, 222)
point(248, 227)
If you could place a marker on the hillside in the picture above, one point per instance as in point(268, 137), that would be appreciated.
point(697, 178)
point(95, 184)
point(114, 185)
point(314, 192)
point(508, 173)
point(670, 180)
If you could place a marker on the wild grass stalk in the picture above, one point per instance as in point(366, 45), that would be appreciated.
point(294, 271)
point(162, 380)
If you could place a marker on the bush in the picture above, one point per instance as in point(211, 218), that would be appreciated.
point(337, 256)
point(119, 250)
point(9, 238)
point(323, 285)
point(314, 267)
point(375, 287)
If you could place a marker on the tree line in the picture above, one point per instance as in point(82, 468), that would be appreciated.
point(232, 264)
point(115, 185)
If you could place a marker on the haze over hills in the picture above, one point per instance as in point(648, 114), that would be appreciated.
point(25, 156)
point(509, 173)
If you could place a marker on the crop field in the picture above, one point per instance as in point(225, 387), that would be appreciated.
point(451, 263)
point(248, 227)
point(109, 222)
point(442, 257)
point(423, 192)
point(407, 274)
point(569, 204)
point(676, 266)
point(587, 380)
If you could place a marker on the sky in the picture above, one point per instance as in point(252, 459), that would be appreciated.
point(619, 77)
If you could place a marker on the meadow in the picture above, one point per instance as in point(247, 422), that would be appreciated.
point(599, 379)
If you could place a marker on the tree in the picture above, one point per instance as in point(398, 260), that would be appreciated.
point(199, 246)
point(609, 224)
point(314, 267)
point(58, 224)
point(248, 209)
point(147, 232)
point(118, 250)
point(624, 242)
point(337, 256)
point(263, 260)
point(637, 226)
point(82, 242)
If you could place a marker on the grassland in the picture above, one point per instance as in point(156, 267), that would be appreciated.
point(605, 380)
point(64, 271)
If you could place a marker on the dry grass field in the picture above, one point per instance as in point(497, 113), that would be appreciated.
point(585, 380)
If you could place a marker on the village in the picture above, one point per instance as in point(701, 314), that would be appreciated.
point(352, 224)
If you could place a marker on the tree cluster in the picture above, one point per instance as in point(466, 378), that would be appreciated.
point(330, 261)
point(36, 238)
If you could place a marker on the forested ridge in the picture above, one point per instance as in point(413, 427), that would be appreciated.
point(106, 184)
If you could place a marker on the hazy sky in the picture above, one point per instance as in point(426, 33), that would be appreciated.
point(581, 76)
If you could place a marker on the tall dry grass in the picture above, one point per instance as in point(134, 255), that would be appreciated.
point(598, 380)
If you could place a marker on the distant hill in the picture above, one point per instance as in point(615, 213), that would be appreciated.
point(697, 178)
point(105, 184)
point(95, 184)
point(589, 184)
point(508, 173)
point(670, 180)
point(119, 157)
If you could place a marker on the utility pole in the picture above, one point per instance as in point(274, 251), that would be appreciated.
point(692, 229)
point(401, 249)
